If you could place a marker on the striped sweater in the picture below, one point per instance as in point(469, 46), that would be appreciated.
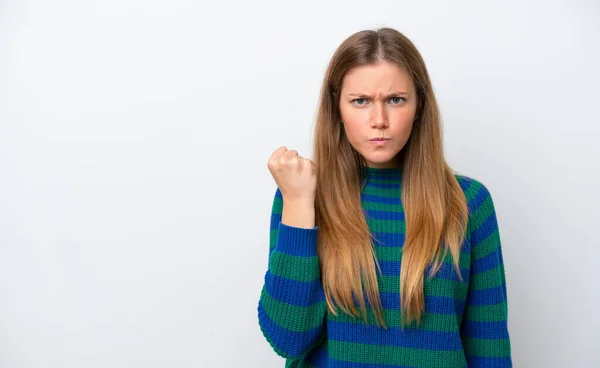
point(464, 323)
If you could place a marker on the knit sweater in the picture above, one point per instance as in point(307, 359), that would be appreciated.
point(464, 323)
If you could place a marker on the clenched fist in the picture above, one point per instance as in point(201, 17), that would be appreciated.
point(295, 175)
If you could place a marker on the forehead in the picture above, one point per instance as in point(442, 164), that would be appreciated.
point(383, 76)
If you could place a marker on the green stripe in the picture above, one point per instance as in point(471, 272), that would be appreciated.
point(482, 213)
point(487, 348)
point(464, 260)
point(487, 313)
point(383, 192)
point(292, 317)
point(472, 190)
point(388, 253)
point(305, 269)
point(277, 205)
point(488, 279)
point(273, 238)
point(373, 206)
point(395, 254)
point(432, 287)
point(486, 246)
point(387, 226)
point(393, 318)
point(378, 354)
point(446, 288)
point(295, 364)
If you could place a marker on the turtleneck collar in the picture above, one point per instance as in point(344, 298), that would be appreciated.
point(382, 175)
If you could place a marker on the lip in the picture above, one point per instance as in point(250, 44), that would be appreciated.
point(379, 141)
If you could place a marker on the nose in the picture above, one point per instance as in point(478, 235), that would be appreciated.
point(379, 119)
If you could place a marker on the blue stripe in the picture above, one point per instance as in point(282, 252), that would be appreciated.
point(433, 304)
point(394, 336)
point(383, 185)
point(305, 294)
point(298, 293)
point(275, 220)
point(446, 271)
point(320, 358)
point(388, 239)
point(494, 330)
point(466, 245)
point(465, 182)
point(340, 363)
point(490, 296)
point(385, 215)
point(290, 342)
point(480, 197)
point(297, 241)
point(370, 173)
point(378, 199)
point(486, 263)
point(485, 229)
point(488, 362)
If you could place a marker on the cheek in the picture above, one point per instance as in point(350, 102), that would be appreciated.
point(353, 122)
point(402, 131)
point(345, 113)
point(402, 116)
point(402, 121)
point(354, 128)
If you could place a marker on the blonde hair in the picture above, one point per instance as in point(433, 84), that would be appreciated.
point(434, 203)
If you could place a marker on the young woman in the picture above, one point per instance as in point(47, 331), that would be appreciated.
point(380, 255)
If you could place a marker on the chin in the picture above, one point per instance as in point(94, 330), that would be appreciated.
point(385, 160)
point(381, 163)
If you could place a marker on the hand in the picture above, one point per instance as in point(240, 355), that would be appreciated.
point(295, 175)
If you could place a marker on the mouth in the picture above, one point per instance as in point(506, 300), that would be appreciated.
point(379, 139)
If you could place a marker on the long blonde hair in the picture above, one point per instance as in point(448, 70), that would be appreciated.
point(434, 204)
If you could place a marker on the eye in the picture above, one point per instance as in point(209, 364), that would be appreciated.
point(356, 101)
point(397, 100)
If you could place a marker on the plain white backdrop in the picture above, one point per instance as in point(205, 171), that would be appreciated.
point(134, 191)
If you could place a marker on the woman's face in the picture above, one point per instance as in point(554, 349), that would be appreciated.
point(378, 101)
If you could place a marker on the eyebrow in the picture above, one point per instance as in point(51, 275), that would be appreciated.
point(362, 95)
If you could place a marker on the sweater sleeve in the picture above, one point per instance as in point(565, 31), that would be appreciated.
point(292, 307)
point(484, 328)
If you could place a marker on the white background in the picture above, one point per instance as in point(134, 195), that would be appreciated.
point(135, 196)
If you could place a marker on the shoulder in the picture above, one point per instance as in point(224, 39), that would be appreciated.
point(476, 192)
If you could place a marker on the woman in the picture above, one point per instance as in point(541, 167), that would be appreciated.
point(389, 259)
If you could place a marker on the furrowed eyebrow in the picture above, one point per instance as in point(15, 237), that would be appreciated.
point(364, 95)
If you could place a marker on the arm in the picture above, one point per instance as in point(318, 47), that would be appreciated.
point(484, 329)
point(291, 309)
